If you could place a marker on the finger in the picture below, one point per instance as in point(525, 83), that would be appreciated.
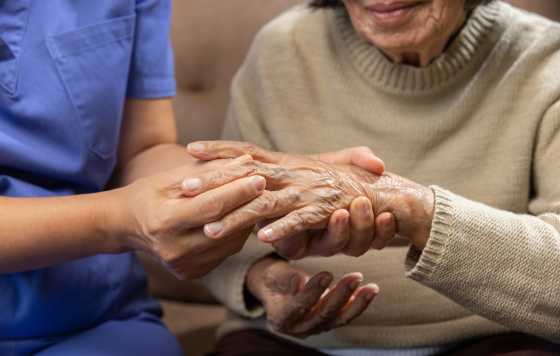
point(330, 306)
point(212, 205)
point(238, 168)
point(362, 157)
point(267, 205)
point(385, 230)
point(335, 238)
point(359, 302)
point(293, 248)
point(362, 227)
point(297, 221)
point(210, 150)
point(307, 298)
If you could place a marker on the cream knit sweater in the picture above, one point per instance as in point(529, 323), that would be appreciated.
point(482, 121)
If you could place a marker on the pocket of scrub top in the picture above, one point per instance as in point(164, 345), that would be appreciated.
point(94, 63)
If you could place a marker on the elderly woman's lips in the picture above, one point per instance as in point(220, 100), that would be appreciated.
point(393, 13)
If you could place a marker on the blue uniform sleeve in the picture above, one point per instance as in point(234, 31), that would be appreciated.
point(152, 72)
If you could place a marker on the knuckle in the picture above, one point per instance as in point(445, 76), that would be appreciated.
point(158, 226)
point(327, 315)
point(299, 310)
point(171, 259)
point(249, 167)
point(214, 208)
point(215, 176)
point(267, 202)
point(297, 218)
point(291, 196)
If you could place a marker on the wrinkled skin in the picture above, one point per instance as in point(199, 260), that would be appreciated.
point(419, 38)
point(301, 305)
point(351, 232)
point(305, 192)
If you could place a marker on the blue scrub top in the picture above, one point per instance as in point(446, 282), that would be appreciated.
point(66, 69)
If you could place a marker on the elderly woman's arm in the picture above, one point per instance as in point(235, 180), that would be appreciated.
point(496, 263)
point(501, 265)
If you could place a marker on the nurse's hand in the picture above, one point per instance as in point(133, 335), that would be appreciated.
point(156, 215)
point(300, 305)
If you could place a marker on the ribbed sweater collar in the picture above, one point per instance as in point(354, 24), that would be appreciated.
point(474, 42)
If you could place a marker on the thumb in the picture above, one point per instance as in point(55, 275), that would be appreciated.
point(361, 157)
point(289, 279)
point(364, 158)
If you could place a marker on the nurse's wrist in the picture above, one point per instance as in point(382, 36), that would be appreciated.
point(114, 226)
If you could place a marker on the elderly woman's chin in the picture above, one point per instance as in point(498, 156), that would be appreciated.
point(411, 32)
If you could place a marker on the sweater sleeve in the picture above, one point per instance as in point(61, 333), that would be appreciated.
point(501, 265)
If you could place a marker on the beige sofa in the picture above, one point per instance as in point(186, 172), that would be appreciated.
point(211, 38)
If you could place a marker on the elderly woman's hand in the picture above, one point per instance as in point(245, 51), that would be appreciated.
point(410, 205)
point(301, 305)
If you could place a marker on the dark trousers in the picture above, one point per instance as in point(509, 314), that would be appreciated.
point(262, 343)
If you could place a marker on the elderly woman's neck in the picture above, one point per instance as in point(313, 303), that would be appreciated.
point(425, 53)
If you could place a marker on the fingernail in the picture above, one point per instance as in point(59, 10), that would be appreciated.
point(267, 234)
point(258, 182)
point(213, 229)
point(195, 147)
point(192, 184)
point(372, 291)
point(326, 281)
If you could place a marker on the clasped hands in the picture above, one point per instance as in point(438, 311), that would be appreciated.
point(318, 205)
point(194, 217)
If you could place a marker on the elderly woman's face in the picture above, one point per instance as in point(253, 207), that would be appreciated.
point(409, 31)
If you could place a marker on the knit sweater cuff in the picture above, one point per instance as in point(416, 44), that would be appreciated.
point(420, 265)
point(227, 282)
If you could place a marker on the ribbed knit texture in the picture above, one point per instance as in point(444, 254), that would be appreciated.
point(482, 121)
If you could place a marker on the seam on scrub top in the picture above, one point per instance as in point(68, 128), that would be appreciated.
point(87, 49)
point(58, 41)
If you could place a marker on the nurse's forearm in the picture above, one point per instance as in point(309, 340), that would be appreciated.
point(154, 160)
point(41, 232)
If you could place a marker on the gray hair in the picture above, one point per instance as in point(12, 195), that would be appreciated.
point(469, 4)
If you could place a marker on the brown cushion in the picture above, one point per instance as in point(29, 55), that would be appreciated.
point(211, 38)
point(549, 8)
